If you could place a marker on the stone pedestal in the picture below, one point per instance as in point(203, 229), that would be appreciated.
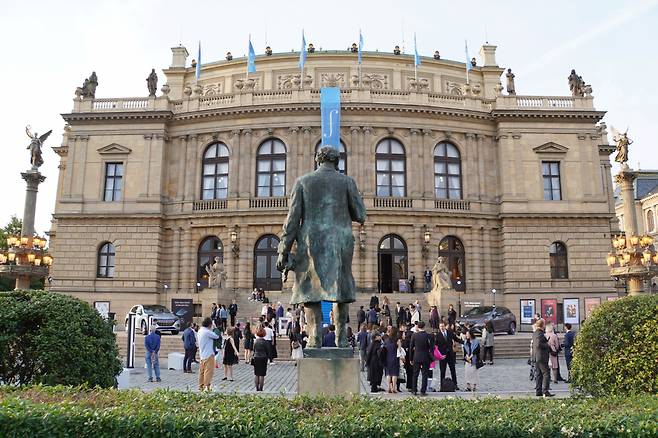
point(441, 298)
point(328, 371)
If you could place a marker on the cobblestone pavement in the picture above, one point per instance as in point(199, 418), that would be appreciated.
point(506, 378)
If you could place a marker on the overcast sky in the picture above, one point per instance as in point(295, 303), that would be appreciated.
point(51, 46)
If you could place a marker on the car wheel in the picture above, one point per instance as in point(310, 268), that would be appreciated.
point(512, 328)
point(175, 332)
point(144, 328)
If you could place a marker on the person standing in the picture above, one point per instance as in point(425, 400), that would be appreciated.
point(363, 342)
point(360, 316)
point(421, 356)
point(233, 312)
point(223, 317)
point(488, 341)
point(296, 345)
point(248, 343)
point(230, 354)
point(237, 335)
point(406, 345)
point(415, 314)
point(554, 344)
point(372, 317)
point(452, 315)
point(434, 318)
point(330, 338)
point(259, 361)
point(207, 354)
point(152, 346)
point(445, 341)
point(213, 313)
point(540, 352)
point(399, 316)
point(471, 358)
point(269, 338)
point(392, 361)
point(569, 340)
point(412, 282)
point(427, 276)
point(375, 369)
point(189, 344)
point(217, 345)
point(386, 313)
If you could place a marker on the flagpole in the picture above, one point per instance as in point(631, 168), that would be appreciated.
point(246, 74)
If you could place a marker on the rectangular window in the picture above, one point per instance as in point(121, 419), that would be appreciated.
point(551, 176)
point(113, 182)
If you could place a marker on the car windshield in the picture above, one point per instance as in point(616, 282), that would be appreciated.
point(156, 309)
point(478, 311)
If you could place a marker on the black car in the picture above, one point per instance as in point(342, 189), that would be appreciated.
point(503, 319)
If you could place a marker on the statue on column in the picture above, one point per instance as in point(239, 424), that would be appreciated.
point(441, 282)
point(216, 274)
point(323, 205)
point(35, 147)
point(510, 82)
point(152, 83)
point(623, 142)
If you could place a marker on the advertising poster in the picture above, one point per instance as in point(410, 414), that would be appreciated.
point(527, 311)
point(612, 298)
point(183, 308)
point(549, 310)
point(572, 310)
point(590, 305)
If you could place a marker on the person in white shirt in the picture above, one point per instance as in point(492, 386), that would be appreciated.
point(269, 337)
point(206, 353)
point(415, 314)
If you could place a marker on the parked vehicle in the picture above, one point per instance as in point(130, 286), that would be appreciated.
point(502, 318)
point(163, 319)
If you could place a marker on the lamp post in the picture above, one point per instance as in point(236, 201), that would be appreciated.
point(493, 291)
point(427, 238)
point(459, 296)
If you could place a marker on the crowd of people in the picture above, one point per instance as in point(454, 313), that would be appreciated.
point(545, 349)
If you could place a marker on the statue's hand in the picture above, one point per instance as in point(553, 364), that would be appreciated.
point(281, 262)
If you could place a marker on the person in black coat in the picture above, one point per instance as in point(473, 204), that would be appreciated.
point(406, 344)
point(375, 367)
point(444, 339)
point(541, 353)
point(360, 317)
point(421, 355)
point(400, 316)
point(374, 301)
point(452, 315)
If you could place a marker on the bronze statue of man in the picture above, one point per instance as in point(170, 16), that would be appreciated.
point(323, 205)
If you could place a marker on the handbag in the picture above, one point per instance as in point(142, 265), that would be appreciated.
point(437, 354)
point(295, 345)
point(478, 363)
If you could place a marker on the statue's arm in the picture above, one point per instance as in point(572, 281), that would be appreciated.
point(292, 223)
point(355, 203)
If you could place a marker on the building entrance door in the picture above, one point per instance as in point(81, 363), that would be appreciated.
point(266, 276)
point(392, 263)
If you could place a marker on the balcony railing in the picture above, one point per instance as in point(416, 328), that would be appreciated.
point(128, 103)
point(452, 204)
point(278, 202)
point(393, 203)
point(209, 205)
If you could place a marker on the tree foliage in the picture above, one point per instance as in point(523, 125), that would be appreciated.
point(52, 339)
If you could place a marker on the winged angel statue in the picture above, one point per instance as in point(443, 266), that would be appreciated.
point(623, 142)
point(35, 146)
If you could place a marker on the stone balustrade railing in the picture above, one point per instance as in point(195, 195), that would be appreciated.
point(348, 96)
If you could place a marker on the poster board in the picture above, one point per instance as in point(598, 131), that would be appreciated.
point(283, 326)
point(612, 298)
point(590, 305)
point(102, 307)
point(572, 310)
point(527, 311)
point(183, 308)
point(549, 310)
point(403, 285)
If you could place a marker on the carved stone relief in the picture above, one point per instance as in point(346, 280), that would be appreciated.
point(454, 88)
point(418, 85)
point(292, 80)
point(373, 81)
point(332, 80)
point(212, 89)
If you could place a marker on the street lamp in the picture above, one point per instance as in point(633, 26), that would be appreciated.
point(459, 295)
point(493, 291)
point(427, 237)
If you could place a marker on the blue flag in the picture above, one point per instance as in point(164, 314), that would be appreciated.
point(469, 67)
point(302, 53)
point(416, 56)
point(360, 46)
point(251, 59)
point(198, 63)
point(330, 115)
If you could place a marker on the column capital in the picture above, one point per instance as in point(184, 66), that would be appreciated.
point(354, 129)
point(235, 132)
point(148, 136)
point(82, 137)
point(470, 135)
point(448, 134)
point(427, 132)
point(414, 131)
point(306, 129)
point(368, 130)
point(293, 129)
point(247, 131)
point(480, 137)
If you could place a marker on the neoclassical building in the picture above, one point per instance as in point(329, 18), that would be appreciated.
point(515, 190)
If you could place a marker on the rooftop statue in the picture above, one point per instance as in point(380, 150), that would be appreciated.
point(35, 147)
point(623, 142)
point(152, 83)
point(577, 84)
point(510, 82)
point(323, 205)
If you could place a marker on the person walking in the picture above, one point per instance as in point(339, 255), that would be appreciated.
point(399, 316)
point(554, 344)
point(471, 349)
point(237, 335)
point(488, 341)
point(421, 355)
point(392, 361)
point(223, 317)
point(386, 313)
point(568, 343)
point(259, 361)
point(363, 342)
point(445, 341)
point(152, 347)
point(207, 354)
point(375, 368)
point(230, 354)
point(189, 344)
point(248, 343)
point(296, 345)
point(360, 316)
point(540, 352)
point(233, 312)
point(372, 317)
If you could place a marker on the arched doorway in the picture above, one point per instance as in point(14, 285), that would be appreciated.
point(265, 254)
point(209, 248)
point(392, 263)
point(453, 249)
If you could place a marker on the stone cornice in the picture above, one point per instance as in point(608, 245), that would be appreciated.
point(511, 115)
point(119, 115)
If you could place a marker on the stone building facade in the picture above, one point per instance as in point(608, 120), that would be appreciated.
point(515, 190)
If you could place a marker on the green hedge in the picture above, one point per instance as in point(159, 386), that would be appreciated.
point(616, 351)
point(64, 411)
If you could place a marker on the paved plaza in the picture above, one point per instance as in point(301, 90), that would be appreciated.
point(507, 378)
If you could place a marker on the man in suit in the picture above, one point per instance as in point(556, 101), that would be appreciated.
point(372, 317)
point(540, 352)
point(569, 339)
point(330, 338)
point(400, 315)
point(421, 353)
point(444, 342)
point(360, 317)
point(406, 344)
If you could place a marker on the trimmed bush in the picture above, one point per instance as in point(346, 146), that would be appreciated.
point(63, 412)
point(55, 339)
point(616, 351)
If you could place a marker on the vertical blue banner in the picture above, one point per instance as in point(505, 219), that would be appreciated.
point(330, 114)
point(326, 310)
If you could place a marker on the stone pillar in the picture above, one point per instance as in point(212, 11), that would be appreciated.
point(470, 184)
point(295, 155)
point(80, 166)
point(413, 162)
point(248, 177)
point(307, 150)
point(480, 165)
point(33, 178)
point(235, 165)
point(625, 179)
point(427, 158)
point(354, 154)
point(190, 164)
point(368, 188)
point(182, 166)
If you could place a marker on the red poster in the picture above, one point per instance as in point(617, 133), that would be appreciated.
point(590, 305)
point(549, 310)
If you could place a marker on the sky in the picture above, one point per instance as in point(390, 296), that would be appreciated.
point(50, 47)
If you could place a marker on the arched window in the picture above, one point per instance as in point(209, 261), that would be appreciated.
point(559, 260)
point(453, 249)
point(342, 164)
point(447, 171)
point(209, 248)
point(650, 221)
point(106, 256)
point(266, 275)
point(391, 165)
point(215, 172)
point(271, 169)
point(392, 261)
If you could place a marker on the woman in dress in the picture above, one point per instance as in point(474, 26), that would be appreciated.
point(488, 341)
point(259, 361)
point(386, 313)
point(296, 345)
point(230, 355)
point(471, 349)
point(248, 343)
point(392, 361)
point(554, 344)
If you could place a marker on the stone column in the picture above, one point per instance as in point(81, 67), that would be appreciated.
point(182, 166)
point(70, 165)
point(146, 165)
point(307, 150)
point(248, 155)
point(427, 158)
point(80, 167)
point(33, 178)
point(354, 154)
point(295, 154)
point(175, 260)
point(413, 162)
point(470, 176)
point(625, 179)
point(368, 148)
point(481, 157)
point(191, 163)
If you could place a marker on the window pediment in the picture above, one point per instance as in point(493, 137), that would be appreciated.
point(114, 149)
point(551, 148)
